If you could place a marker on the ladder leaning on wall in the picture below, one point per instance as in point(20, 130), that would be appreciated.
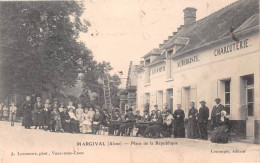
point(106, 88)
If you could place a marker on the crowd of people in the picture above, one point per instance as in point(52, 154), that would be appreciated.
point(57, 117)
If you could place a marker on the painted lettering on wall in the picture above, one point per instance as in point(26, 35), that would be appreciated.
point(157, 70)
point(188, 60)
point(231, 47)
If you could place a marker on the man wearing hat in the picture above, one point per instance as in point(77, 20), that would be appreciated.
point(203, 117)
point(216, 112)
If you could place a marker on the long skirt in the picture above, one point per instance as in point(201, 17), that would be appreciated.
point(37, 119)
point(27, 119)
point(219, 135)
point(179, 129)
point(192, 129)
point(86, 127)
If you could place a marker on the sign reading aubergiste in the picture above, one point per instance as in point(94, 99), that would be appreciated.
point(231, 47)
point(188, 60)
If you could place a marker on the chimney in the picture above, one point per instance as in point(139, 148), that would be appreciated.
point(189, 16)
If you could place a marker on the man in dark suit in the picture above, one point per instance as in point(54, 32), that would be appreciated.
point(203, 117)
point(216, 112)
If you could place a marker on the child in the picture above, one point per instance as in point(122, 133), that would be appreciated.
point(74, 123)
point(91, 113)
point(46, 116)
point(79, 112)
point(56, 121)
point(70, 106)
point(13, 110)
point(5, 113)
point(86, 123)
point(61, 108)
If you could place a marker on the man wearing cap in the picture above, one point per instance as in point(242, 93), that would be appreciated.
point(37, 113)
point(203, 117)
point(216, 112)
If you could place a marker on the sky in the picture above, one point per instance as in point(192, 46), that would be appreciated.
point(125, 30)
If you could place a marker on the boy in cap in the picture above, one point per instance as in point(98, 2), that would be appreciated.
point(203, 117)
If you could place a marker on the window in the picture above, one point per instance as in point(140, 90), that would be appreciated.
point(186, 99)
point(227, 96)
point(250, 94)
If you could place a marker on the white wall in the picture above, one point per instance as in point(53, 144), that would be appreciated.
point(205, 74)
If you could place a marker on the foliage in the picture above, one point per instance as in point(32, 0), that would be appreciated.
point(39, 47)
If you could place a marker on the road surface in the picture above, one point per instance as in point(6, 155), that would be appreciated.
point(33, 145)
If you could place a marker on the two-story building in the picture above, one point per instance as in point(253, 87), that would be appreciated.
point(217, 56)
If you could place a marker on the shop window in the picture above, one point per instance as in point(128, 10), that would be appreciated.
point(169, 99)
point(186, 98)
point(250, 94)
point(160, 99)
point(227, 96)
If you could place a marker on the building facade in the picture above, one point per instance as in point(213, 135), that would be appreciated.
point(217, 56)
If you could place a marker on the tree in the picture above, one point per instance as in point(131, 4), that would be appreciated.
point(90, 80)
point(39, 47)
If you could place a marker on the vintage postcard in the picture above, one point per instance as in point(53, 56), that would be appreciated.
point(129, 81)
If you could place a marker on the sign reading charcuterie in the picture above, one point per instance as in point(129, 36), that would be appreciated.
point(242, 44)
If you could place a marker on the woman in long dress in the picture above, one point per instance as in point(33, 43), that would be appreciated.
point(86, 123)
point(192, 127)
point(220, 133)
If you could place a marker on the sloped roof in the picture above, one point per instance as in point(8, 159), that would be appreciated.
point(239, 15)
point(153, 52)
point(158, 59)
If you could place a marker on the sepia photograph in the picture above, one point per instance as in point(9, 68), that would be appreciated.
point(129, 81)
